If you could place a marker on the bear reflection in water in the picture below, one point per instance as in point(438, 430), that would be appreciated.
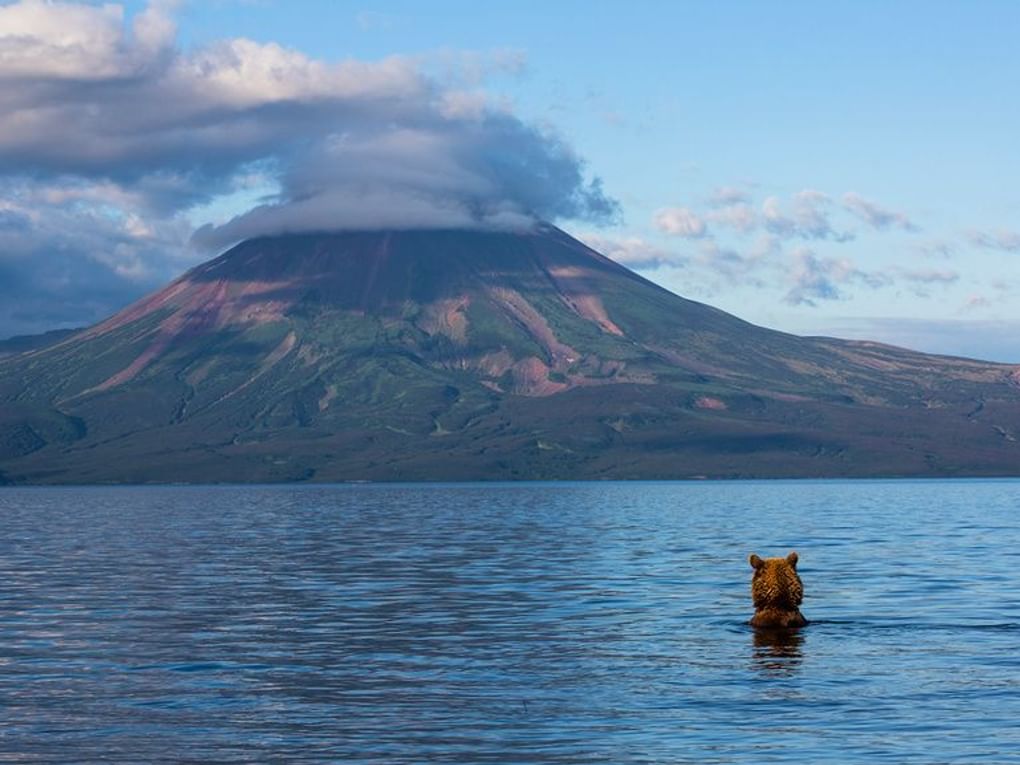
point(777, 651)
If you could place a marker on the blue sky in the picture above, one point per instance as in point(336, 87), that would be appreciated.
point(839, 168)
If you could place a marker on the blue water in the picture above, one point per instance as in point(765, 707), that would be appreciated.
point(540, 623)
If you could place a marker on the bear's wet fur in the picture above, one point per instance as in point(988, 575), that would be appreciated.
point(777, 592)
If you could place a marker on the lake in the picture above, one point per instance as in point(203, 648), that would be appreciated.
point(527, 623)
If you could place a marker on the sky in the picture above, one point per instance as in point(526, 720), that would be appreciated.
point(838, 168)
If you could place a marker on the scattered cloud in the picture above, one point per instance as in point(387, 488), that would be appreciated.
point(1004, 285)
point(930, 275)
point(731, 266)
point(790, 246)
point(975, 302)
point(940, 248)
point(809, 217)
point(775, 221)
point(1002, 240)
point(808, 214)
point(876, 216)
point(740, 217)
point(680, 221)
point(822, 278)
point(727, 196)
point(633, 252)
point(765, 247)
point(815, 278)
point(920, 281)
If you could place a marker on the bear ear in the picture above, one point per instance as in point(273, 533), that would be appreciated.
point(755, 561)
point(792, 559)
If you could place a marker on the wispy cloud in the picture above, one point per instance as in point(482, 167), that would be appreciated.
point(680, 221)
point(802, 248)
point(817, 278)
point(730, 265)
point(1002, 240)
point(940, 248)
point(810, 217)
point(726, 196)
point(633, 252)
point(923, 281)
point(740, 217)
point(876, 216)
point(974, 302)
point(808, 214)
point(930, 275)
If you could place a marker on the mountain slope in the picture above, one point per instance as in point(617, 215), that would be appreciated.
point(24, 343)
point(457, 354)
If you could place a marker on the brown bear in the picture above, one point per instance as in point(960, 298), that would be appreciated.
point(777, 592)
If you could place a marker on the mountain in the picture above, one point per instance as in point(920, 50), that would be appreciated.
point(23, 343)
point(425, 355)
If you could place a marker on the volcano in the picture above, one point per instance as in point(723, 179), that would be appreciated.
point(448, 355)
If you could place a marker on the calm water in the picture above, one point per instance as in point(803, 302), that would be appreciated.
point(508, 624)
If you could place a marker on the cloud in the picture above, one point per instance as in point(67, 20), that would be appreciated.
point(930, 276)
point(79, 43)
point(142, 109)
point(71, 259)
point(819, 278)
point(633, 252)
point(815, 278)
point(494, 172)
point(808, 276)
point(974, 302)
point(766, 247)
point(111, 129)
point(726, 196)
point(809, 217)
point(936, 248)
point(740, 217)
point(680, 221)
point(809, 214)
point(876, 216)
point(731, 266)
point(920, 280)
point(1001, 240)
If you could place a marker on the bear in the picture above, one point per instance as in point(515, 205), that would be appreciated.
point(777, 592)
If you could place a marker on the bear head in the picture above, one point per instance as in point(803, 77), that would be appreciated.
point(777, 591)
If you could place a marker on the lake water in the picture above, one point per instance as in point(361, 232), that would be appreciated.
point(534, 623)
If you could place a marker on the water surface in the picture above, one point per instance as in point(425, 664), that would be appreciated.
point(528, 623)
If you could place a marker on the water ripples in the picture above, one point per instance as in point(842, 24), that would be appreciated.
point(560, 623)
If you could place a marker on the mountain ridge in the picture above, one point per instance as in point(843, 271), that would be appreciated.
point(397, 355)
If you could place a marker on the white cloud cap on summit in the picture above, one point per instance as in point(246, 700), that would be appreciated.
point(160, 131)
